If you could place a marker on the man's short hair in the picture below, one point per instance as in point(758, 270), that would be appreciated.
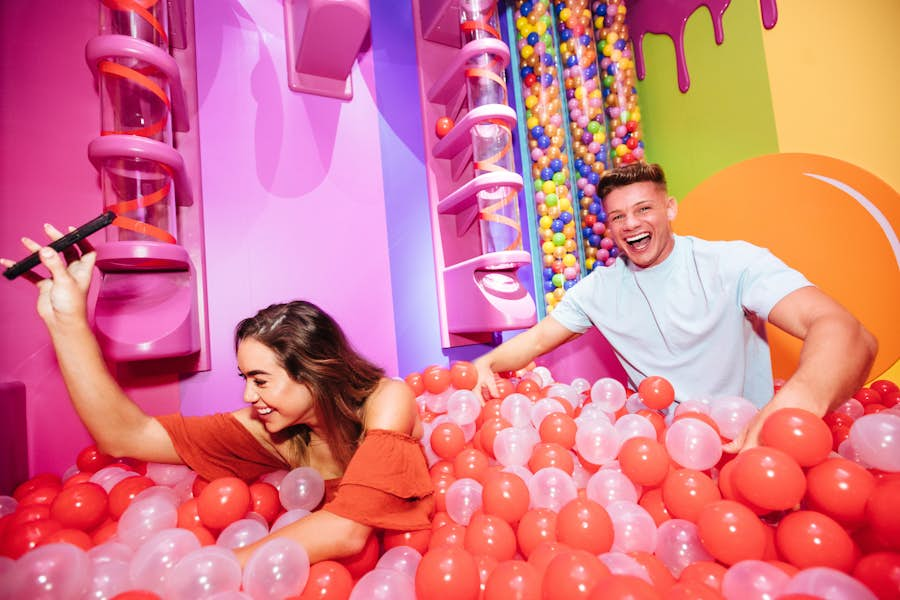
point(628, 174)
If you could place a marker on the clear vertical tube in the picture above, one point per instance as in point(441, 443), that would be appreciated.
point(548, 149)
point(619, 78)
point(141, 19)
point(587, 126)
point(491, 140)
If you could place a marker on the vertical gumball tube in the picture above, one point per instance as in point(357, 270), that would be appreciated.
point(140, 19)
point(587, 126)
point(547, 149)
point(617, 72)
point(491, 139)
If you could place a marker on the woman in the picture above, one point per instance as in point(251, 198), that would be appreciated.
point(313, 401)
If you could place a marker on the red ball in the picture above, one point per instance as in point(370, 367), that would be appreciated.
point(769, 478)
point(447, 572)
point(23, 537)
point(840, 488)
point(536, 526)
point(573, 575)
point(585, 525)
point(436, 379)
point(867, 396)
point(490, 535)
point(265, 501)
point(91, 460)
point(731, 532)
point(645, 461)
point(559, 428)
point(38, 481)
point(414, 381)
point(222, 502)
point(880, 571)
point(513, 579)
point(82, 506)
point(328, 580)
point(656, 392)
point(807, 538)
point(882, 513)
point(443, 126)
point(799, 433)
point(505, 495)
point(121, 494)
point(447, 440)
point(363, 561)
point(686, 492)
point(549, 454)
point(414, 539)
point(463, 375)
point(884, 386)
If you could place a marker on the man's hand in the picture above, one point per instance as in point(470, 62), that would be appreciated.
point(486, 387)
point(787, 397)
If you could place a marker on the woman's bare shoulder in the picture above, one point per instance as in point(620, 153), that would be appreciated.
point(392, 406)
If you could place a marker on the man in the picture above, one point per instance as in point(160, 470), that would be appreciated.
point(693, 311)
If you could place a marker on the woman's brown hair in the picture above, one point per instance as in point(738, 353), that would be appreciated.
point(314, 351)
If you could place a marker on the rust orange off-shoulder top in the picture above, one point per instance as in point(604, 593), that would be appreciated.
point(386, 485)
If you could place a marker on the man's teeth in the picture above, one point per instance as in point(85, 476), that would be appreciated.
point(637, 238)
point(264, 411)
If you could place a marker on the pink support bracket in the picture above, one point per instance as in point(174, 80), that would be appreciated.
point(133, 146)
point(485, 294)
point(323, 38)
point(147, 305)
point(463, 202)
point(447, 86)
point(123, 46)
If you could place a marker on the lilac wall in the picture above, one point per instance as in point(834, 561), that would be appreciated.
point(304, 197)
point(293, 196)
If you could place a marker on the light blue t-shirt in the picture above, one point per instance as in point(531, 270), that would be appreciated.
point(696, 319)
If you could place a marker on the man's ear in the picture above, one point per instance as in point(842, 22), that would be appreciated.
point(671, 208)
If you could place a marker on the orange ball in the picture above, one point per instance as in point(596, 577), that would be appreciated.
point(799, 433)
point(585, 524)
point(807, 538)
point(443, 126)
point(645, 461)
point(656, 392)
point(731, 532)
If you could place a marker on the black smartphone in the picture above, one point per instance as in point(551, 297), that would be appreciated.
point(32, 260)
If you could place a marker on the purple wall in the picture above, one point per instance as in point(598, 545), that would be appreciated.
point(304, 197)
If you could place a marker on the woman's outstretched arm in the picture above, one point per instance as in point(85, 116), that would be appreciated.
point(118, 425)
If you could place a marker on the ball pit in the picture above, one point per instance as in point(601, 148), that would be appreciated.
point(534, 500)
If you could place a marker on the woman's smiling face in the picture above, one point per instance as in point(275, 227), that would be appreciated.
point(277, 400)
point(639, 220)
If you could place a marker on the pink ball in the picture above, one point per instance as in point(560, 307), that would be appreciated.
point(203, 573)
point(876, 439)
point(277, 569)
point(463, 499)
point(155, 558)
point(693, 444)
point(551, 488)
point(752, 579)
point(635, 529)
point(302, 487)
point(678, 545)
point(381, 584)
point(608, 394)
point(608, 485)
point(513, 445)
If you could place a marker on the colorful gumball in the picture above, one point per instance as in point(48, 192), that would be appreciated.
point(222, 502)
point(656, 392)
point(799, 433)
point(442, 127)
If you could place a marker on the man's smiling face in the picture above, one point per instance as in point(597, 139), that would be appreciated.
point(639, 219)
